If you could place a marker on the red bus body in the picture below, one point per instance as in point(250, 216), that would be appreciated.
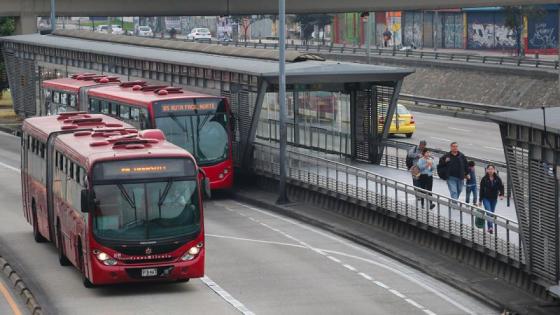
point(219, 172)
point(66, 157)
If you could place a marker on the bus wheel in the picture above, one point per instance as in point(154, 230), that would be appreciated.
point(82, 268)
point(409, 135)
point(36, 234)
point(62, 259)
point(183, 280)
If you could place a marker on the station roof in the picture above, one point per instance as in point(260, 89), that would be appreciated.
point(309, 71)
point(532, 118)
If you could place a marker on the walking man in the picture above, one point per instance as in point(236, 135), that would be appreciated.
point(412, 160)
point(453, 167)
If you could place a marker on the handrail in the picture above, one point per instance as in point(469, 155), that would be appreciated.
point(485, 108)
point(449, 216)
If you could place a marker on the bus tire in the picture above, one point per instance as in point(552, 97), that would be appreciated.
point(408, 135)
point(62, 259)
point(36, 233)
point(85, 280)
point(183, 280)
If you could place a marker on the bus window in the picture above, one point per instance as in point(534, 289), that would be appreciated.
point(73, 100)
point(94, 106)
point(105, 107)
point(124, 112)
point(63, 98)
point(42, 150)
point(56, 97)
point(114, 109)
point(135, 114)
point(144, 119)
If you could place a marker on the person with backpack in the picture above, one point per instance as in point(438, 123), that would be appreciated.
point(426, 180)
point(471, 184)
point(491, 187)
point(453, 168)
point(412, 159)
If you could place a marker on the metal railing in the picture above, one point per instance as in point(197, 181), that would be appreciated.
point(452, 218)
point(330, 141)
point(521, 61)
point(438, 103)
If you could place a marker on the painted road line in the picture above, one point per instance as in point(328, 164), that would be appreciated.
point(397, 293)
point(381, 284)
point(441, 139)
point(254, 240)
point(459, 129)
point(226, 296)
point(350, 245)
point(412, 302)
point(349, 267)
point(336, 260)
point(11, 168)
point(365, 276)
point(494, 148)
point(10, 300)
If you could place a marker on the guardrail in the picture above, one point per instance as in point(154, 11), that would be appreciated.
point(439, 103)
point(521, 61)
point(452, 218)
point(339, 143)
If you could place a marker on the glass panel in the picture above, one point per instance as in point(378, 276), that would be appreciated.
point(144, 211)
point(73, 99)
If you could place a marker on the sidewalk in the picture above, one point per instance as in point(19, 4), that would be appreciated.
point(474, 281)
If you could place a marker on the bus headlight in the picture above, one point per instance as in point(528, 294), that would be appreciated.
point(192, 252)
point(106, 259)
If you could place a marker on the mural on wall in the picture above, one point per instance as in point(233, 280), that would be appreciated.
point(453, 30)
point(542, 33)
point(412, 30)
point(394, 25)
point(487, 31)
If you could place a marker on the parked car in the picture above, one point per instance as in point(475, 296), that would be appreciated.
point(117, 29)
point(199, 33)
point(406, 125)
point(144, 31)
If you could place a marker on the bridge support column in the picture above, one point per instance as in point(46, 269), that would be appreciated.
point(26, 24)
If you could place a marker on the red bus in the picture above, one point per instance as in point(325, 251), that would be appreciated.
point(120, 205)
point(199, 123)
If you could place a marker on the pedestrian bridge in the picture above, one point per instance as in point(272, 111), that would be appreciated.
point(347, 161)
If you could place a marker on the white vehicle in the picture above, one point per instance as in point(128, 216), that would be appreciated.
point(144, 31)
point(199, 34)
point(102, 29)
point(117, 29)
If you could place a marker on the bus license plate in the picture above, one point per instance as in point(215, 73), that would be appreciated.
point(152, 272)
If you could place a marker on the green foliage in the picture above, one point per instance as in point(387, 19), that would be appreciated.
point(7, 27)
point(308, 21)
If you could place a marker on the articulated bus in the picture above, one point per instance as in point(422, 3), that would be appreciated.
point(197, 122)
point(120, 205)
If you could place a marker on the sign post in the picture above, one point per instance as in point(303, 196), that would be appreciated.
point(283, 197)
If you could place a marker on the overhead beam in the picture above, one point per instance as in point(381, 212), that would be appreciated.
point(232, 7)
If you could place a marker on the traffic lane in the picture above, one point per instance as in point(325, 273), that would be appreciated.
point(274, 275)
point(476, 138)
point(10, 148)
point(348, 264)
point(63, 285)
point(10, 303)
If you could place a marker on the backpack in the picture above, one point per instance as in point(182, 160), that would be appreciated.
point(442, 168)
point(415, 171)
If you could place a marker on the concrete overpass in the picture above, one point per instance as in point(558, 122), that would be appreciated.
point(28, 10)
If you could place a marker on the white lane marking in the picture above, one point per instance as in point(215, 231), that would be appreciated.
point(365, 276)
point(397, 293)
point(414, 303)
point(226, 296)
point(429, 312)
point(349, 267)
point(408, 277)
point(441, 139)
point(11, 168)
point(350, 245)
point(494, 148)
point(254, 240)
point(459, 129)
point(381, 284)
point(336, 260)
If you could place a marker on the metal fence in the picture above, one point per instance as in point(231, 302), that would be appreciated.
point(453, 218)
point(331, 141)
point(521, 61)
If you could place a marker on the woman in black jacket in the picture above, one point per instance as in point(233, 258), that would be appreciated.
point(491, 187)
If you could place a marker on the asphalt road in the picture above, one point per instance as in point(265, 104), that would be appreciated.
point(257, 262)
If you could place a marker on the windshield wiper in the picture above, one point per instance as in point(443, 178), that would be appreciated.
point(130, 201)
point(165, 192)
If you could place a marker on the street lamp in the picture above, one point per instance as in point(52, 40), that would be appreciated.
point(283, 196)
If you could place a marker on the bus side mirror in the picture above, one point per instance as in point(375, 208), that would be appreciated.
point(87, 201)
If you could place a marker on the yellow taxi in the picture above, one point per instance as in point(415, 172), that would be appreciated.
point(403, 122)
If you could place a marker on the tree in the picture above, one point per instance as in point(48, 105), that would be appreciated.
point(514, 21)
point(7, 27)
point(308, 22)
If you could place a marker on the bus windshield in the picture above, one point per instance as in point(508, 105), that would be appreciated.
point(199, 126)
point(146, 211)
